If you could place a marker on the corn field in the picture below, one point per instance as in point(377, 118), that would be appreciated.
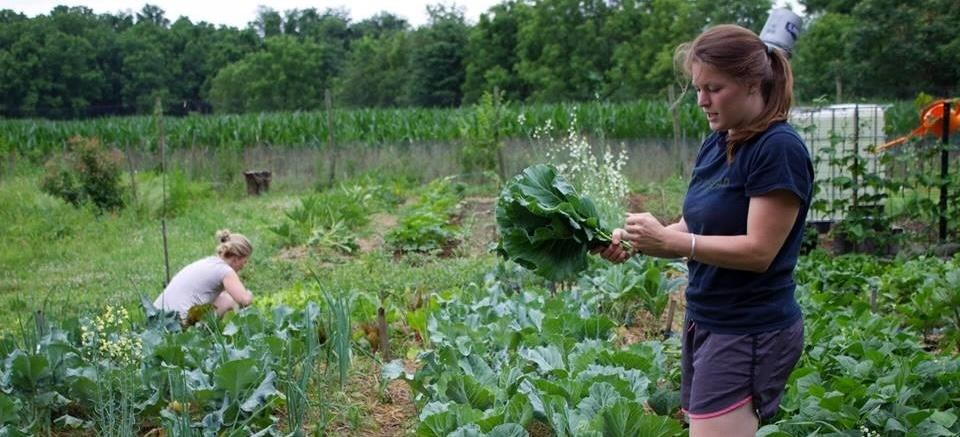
point(638, 119)
point(37, 138)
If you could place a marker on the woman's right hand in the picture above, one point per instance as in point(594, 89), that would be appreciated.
point(614, 252)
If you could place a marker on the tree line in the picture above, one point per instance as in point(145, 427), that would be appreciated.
point(74, 63)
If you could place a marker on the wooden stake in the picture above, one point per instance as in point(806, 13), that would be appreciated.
point(383, 334)
point(496, 134)
point(158, 111)
point(133, 178)
point(328, 102)
point(668, 330)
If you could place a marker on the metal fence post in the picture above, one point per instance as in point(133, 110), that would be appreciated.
point(944, 167)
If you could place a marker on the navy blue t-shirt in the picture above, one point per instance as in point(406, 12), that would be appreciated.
point(737, 301)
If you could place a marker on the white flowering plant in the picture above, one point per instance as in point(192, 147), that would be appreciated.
point(597, 172)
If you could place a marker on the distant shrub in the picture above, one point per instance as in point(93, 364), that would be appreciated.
point(87, 172)
point(180, 192)
point(479, 153)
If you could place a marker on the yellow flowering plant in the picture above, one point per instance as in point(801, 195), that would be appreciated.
point(109, 335)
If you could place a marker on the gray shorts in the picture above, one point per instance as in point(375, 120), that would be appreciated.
point(722, 372)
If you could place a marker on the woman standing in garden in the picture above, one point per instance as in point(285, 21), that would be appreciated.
point(741, 230)
point(211, 280)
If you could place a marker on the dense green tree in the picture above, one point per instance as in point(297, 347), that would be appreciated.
point(203, 50)
point(437, 59)
point(50, 66)
point(649, 33)
point(562, 51)
point(751, 14)
point(147, 70)
point(287, 75)
point(375, 72)
point(894, 40)
point(866, 49)
point(74, 63)
point(378, 25)
point(815, 7)
point(268, 23)
point(332, 27)
point(153, 14)
point(819, 65)
point(492, 53)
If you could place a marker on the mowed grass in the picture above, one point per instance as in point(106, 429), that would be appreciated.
point(65, 260)
point(68, 261)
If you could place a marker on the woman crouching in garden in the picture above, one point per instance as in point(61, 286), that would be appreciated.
point(211, 280)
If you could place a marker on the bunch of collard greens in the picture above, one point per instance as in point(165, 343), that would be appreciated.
point(546, 226)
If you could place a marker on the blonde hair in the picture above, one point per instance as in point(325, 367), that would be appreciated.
point(742, 55)
point(233, 245)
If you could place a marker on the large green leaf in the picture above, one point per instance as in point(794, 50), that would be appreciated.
point(601, 396)
point(26, 371)
point(518, 410)
point(558, 415)
point(476, 367)
point(8, 409)
point(571, 326)
point(237, 376)
point(664, 402)
point(261, 395)
point(545, 225)
point(442, 423)
point(569, 389)
point(508, 430)
point(771, 431)
point(437, 425)
point(547, 358)
point(627, 419)
point(638, 382)
point(471, 430)
point(10, 431)
point(540, 185)
point(465, 389)
point(554, 259)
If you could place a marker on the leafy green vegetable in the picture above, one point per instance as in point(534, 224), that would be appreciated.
point(546, 226)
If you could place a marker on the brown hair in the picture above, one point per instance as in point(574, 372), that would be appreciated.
point(233, 245)
point(739, 53)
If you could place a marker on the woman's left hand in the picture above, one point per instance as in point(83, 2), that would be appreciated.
point(646, 234)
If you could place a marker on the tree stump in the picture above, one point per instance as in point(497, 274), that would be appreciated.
point(257, 181)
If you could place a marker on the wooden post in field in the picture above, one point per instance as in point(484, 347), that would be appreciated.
point(40, 322)
point(382, 327)
point(839, 87)
point(674, 102)
point(133, 178)
point(944, 171)
point(12, 168)
point(668, 330)
point(158, 112)
point(328, 102)
point(496, 133)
